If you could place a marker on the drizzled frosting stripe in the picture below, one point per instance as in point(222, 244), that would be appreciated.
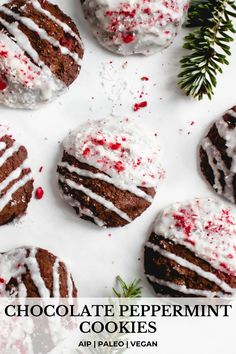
point(9, 268)
point(118, 184)
point(217, 164)
point(2, 145)
point(65, 27)
point(107, 204)
point(86, 212)
point(30, 24)
point(183, 289)
point(7, 197)
point(186, 264)
point(15, 174)
point(8, 153)
point(35, 273)
point(56, 279)
point(22, 41)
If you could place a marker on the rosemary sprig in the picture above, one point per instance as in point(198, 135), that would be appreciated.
point(208, 45)
point(128, 290)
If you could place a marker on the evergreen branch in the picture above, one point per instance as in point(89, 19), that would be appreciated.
point(131, 290)
point(209, 45)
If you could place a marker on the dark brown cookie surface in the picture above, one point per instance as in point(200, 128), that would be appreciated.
point(191, 252)
point(105, 175)
point(34, 272)
point(47, 48)
point(218, 156)
point(16, 181)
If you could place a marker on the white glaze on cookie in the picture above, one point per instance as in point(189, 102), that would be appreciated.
point(183, 289)
point(217, 161)
point(119, 147)
point(204, 226)
point(13, 265)
point(12, 182)
point(135, 27)
point(25, 82)
point(191, 266)
point(125, 155)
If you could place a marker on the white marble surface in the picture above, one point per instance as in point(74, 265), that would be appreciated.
point(95, 257)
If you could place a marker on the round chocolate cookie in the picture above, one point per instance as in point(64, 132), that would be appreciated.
point(109, 171)
point(135, 27)
point(34, 272)
point(16, 181)
point(192, 250)
point(218, 156)
point(40, 53)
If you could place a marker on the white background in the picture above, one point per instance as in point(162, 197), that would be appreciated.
point(94, 257)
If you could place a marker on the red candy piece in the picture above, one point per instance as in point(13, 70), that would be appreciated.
point(137, 106)
point(114, 146)
point(119, 166)
point(65, 42)
point(3, 85)
point(2, 280)
point(128, 37)
point(39, 193)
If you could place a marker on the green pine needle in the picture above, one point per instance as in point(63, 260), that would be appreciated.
point(128, 290)
point(208, 45)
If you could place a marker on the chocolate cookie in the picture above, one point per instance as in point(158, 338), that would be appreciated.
point(40, 53)
point(192, 250)
point(34, 272)
point(16, 181)
point(135, 27)
point(109, 171)
point(218, 156)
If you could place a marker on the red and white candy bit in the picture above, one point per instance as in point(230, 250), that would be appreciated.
point(39, 193)
point(205, 226)
point(139, 105)
point(120, 148)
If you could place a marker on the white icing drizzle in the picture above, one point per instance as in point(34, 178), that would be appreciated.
point(2, 145)
point(6, 198)
point(185, 263)
point(230, 137)
point(8, 153)
point(119, 184)
point(66, 28)
point(183, 289)
point(22, 291)
point(15, 174)
point(206, 227)
point(56, 278)
point(87, 212)
point(69, 285)
point(134, 27)
point(29, 23)
point(35, 273)
point(106, 203)
point(217, 164)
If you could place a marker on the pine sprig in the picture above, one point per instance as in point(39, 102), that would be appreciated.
point(128, 290)
point(209, 45)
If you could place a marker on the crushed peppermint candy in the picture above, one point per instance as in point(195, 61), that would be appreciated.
point(118, 147)
point(137, 106)
point(205, 226)
point(39, 193)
